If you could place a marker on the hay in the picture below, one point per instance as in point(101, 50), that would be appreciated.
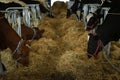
point(43, 55)
point(61, 53)
point(70, 61)
point(58, 8)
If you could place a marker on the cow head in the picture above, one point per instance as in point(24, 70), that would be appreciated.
point(92, 21)
point(39, 33)
point(94, 46)
point(21, 53)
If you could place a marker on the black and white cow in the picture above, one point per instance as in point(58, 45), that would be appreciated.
point(90, 6)
point(76, 9)
point(107, 32)
point(96, 19)
point(84, 6)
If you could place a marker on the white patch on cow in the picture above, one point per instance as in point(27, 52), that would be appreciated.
point(78, 13)
point(89, 16)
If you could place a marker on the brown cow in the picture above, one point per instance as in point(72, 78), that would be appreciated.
point(10, 39)
point(31, 33)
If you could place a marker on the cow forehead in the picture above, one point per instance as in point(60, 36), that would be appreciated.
point(89, 16)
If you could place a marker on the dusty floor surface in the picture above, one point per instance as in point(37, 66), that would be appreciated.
point(61, 53)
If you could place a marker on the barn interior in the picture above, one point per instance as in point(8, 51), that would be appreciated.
point(61, 54)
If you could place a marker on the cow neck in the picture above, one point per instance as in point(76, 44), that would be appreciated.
point(11, 37)
point(103, 39)
point(29, 32)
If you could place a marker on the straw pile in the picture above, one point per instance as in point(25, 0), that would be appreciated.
point(61, 53)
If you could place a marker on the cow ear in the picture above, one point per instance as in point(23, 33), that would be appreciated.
point(95, 37)
point(28, 46)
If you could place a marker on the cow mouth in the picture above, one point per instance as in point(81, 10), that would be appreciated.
point(97, 50)
point(92, 55)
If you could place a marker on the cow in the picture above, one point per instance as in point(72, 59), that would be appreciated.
point(76, 9)
point(10, 39)
point(4, 6)
point(107, 32)
point(27, 33)
point(96, 19)
point(85, 6)
point(90, 6)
